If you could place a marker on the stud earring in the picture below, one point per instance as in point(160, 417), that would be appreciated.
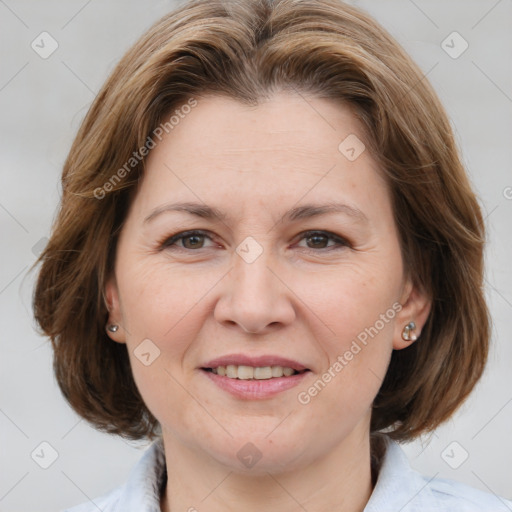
point(112, 327)
point(407, 335)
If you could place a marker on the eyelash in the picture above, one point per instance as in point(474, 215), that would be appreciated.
point(169, 242)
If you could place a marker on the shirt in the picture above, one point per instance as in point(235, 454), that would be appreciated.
point(399, 488)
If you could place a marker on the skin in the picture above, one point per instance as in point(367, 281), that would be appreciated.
point(303, 298)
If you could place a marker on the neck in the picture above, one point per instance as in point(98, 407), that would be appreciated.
point(341, 480)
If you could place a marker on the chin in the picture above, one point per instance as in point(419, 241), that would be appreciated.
point(260, 452)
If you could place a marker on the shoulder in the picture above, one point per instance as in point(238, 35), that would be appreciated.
point(106, 503)
point(140, 493)
point(400, 487)
point(463, 497)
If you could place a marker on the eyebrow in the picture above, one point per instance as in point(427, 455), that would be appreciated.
point(298, 213)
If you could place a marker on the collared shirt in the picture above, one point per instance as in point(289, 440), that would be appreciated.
point(399, 488)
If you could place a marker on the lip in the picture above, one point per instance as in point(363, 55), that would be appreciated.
point(256, 361)
point(255, 389)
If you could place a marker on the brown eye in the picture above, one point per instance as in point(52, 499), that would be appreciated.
point(190, 240)
point(320, 240)
point(195, 241)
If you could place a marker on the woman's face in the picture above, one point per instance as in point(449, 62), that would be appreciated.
point(266, 283)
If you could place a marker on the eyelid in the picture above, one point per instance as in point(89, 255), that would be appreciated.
point(342, 242)
point(169, 241)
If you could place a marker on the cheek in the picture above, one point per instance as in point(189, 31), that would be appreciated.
point(357, 307)
point(352, 298)
point(159, 299)
point(358, 349)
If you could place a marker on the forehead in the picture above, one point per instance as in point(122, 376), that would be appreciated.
point(287, 125)
point(285, 148)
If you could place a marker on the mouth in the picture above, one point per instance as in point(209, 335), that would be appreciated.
point(250, 378)
point(245, 372)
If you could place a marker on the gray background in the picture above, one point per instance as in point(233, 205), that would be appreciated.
point(42, 102)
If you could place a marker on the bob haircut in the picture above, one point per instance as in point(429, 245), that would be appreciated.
point(247, 50)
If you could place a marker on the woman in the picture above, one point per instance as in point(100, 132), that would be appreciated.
point(268, 260)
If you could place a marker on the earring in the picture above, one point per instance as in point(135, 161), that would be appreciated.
point(112, 327)
point(406, 333)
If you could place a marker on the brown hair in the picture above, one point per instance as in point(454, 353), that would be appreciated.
point(246, 50)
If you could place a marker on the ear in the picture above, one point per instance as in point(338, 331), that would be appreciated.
point(416, 305)
point(111, 295)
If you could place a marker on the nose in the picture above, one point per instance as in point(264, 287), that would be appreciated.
point(255, 296)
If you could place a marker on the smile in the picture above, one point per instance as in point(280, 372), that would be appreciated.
point(262, 385)
point(244, 372)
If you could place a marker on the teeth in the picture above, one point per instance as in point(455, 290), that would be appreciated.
point(277, 371)
point(248, 372)
point(231, 371)
point(263, 372)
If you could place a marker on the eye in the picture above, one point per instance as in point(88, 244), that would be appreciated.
point(190, 240)
point(194, 240)
point(319, 239)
